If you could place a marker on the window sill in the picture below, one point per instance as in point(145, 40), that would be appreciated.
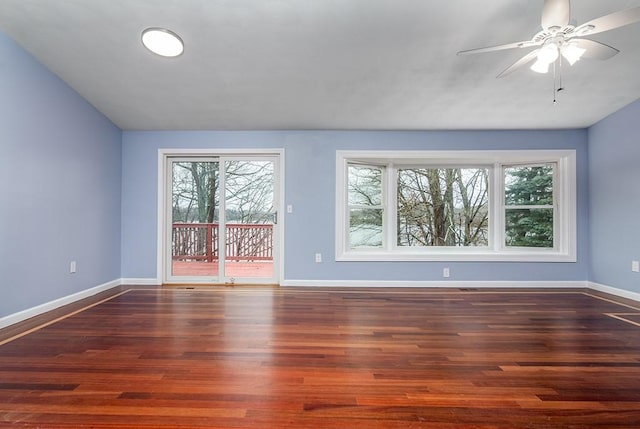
point(464, 256)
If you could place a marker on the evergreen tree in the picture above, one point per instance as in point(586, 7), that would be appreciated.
point(529, 225)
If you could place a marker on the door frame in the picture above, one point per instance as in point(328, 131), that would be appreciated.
point(161, 216)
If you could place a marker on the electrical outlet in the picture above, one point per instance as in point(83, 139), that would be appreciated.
point(289, 208)
point(445, 272)
point(318, 257)
point(72, 267)
point(635, 266)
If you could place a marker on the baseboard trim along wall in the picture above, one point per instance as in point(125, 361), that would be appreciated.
point(434, 284)
point(140, 281)
point(614, 291)
point(52, 305)
point(57, 303)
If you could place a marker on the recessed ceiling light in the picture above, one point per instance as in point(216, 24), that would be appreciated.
point(162, 42)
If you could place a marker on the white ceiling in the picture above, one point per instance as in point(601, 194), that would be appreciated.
point(322, 64)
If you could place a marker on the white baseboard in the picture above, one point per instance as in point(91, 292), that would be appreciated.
point(134, 281)
point(614, 291)
point(52, 305)
point(434, 284)
point(464, 285)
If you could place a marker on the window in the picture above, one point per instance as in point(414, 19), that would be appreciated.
point(529, 206)
point(365, 206)
point(456, 205)
point(442, 206)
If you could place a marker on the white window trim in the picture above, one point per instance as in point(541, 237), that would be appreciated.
point(564, 194)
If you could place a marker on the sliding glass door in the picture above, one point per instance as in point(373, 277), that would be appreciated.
point(222, 214)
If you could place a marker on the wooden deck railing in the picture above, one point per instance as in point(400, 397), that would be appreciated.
point(243, 242)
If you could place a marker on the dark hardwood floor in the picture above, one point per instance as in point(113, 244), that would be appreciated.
point(326, 358)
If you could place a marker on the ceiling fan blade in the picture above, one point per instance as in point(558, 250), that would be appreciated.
point(521, 62)
point(525, 44)
point(609, 22)
point(595, 50)
point(556, 13)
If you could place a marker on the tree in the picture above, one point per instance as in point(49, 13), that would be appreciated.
point(248, 197)
point(442, 207)
point(248, 191)
point(530, 189)
point(195, 192)
point(249, 200)
point(365, 200)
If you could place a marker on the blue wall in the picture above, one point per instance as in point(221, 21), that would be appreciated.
point(60, 172)
point(310, 188)
point(614, 152)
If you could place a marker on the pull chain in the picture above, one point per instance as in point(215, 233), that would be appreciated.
point(557, 78)
point(554, 84)
point(560, 87)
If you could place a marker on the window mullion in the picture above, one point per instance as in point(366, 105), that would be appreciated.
point(344, 222)
point(557, 224)
point(390, 219)
point(496, 218)
point(530, 207)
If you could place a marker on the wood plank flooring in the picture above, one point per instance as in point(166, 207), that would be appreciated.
point(326, 358)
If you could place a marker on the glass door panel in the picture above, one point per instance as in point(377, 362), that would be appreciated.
point(195, 202)
point(249, 221)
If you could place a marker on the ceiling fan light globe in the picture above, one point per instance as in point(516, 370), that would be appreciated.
point(572, 53)
point(540, 67)
point(548, 53)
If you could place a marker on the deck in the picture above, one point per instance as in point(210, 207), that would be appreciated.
point(240, 269)
point(248, 250)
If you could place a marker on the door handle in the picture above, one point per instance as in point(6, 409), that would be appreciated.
point(275, 218)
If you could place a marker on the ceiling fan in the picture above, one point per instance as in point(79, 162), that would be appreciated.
point(560, 39)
